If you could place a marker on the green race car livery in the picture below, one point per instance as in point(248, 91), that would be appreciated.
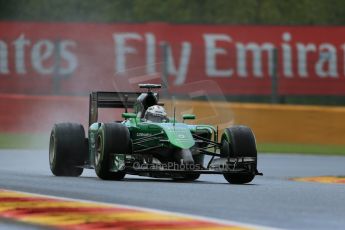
point(148, 143)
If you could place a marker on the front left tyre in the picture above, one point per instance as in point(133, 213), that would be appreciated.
point(112, 139)
point(67, 149)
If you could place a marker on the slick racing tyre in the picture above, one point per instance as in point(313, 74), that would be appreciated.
point(67, 149)
point(239, 141)
point(112, 138)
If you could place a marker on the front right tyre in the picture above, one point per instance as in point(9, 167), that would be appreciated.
point(239, 141)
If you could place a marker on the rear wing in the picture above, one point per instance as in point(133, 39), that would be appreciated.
point(110, 100)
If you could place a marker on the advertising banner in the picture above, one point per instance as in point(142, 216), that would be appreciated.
point(76, 58)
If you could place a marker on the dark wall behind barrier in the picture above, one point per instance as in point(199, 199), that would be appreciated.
point(76, 58)
point(271, 12)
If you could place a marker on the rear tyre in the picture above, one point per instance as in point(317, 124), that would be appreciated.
point(67, 151)
point(112, 138)
point(239, 141)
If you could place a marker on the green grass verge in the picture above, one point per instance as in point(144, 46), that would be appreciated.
point(41, 141)
point(24, 141)
point(301, 148)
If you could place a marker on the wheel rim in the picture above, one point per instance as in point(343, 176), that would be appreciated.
point(99, 147)
point(52, 149)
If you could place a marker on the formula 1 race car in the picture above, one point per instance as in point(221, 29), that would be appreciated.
point(148, 143)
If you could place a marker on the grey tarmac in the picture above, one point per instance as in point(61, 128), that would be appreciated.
point(272, 200)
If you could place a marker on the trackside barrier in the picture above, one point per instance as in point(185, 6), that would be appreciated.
point(275, 123)
point(271, 123)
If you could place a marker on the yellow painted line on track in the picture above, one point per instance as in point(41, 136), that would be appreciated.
point(65, 213)
point(322, 179)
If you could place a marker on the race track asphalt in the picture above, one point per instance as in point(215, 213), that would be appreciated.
point(271, 200)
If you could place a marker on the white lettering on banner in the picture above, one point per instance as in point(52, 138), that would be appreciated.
point(257, 50)
point(287, 56)
point(298, 59)
point(324, 66)
point(3, 58)
point(20, 44)
point(212, 51)
point(178, 69)
point(328, 60)
point(150, 53)
point(343, 48)
point(302, 57)
point(181, 70)
point(67, 55)
point(41, 51)
point(121, 49)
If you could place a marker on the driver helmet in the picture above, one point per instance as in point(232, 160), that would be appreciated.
point(156, 113)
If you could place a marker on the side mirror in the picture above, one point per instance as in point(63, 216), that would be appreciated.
point(188, 116)
point(129, 115)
